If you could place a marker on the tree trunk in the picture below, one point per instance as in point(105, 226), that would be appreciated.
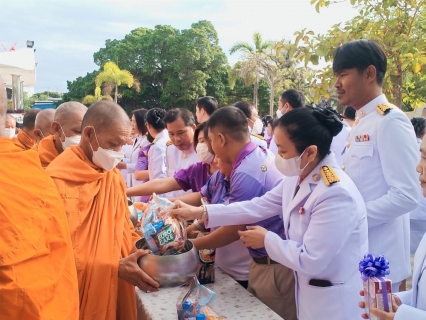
point(255, 90)
point(398, 85)
point(271, 99)
point(116, 93)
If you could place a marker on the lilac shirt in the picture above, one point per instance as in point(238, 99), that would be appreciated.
point(142, 163)
point(253, 174)
point(194, 177)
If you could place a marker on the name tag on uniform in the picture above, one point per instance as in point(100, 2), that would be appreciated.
point(362, 138)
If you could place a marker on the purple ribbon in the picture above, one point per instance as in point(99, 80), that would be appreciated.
point(377, 267)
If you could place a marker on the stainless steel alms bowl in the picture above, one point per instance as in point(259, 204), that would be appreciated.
point(170, 271)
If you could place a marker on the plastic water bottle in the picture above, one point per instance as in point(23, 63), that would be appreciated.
point(200, 316)
point(186, 310)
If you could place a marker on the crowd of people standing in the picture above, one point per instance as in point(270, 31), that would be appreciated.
point(294, 200)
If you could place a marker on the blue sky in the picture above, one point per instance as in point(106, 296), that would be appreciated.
point(67, 33)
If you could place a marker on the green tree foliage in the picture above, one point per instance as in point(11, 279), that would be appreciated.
point(173, 67)
point(80, 87)
point(41, 96)
point(398, 25)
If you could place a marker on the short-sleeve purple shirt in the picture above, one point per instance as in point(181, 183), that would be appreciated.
point(194, 177)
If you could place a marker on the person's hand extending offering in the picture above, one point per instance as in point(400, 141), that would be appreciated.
point(396, 302)
point(186, 211)
point(254, 237)
point(129, 270)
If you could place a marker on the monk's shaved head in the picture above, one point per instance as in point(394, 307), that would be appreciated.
point(104, 114)
point(29, 119)
point(43, 123)
point(67, 109)
point(3, 106)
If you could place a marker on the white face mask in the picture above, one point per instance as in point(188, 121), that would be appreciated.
point(70, 141)
point(290, 167)
point(203, 153)
point(257, 126)
point(279, 113)
point(105, 158)
point(9, 132)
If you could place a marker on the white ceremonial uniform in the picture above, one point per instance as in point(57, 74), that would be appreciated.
point(140, 142)
point(258, 140)
point(127, 150)
point(417, 219)
point(381, 156)
point(339, 142)
point(414, 301)
point(157, 156)
point(177, 160)
point(326, 230)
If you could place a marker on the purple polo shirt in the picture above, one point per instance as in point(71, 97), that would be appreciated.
point(216, 190)
point(142, 163)
point(194, 177)
point(253, 174)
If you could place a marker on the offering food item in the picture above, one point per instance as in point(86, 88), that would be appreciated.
point(205, 271)
point(164, 234)
point(377, 288)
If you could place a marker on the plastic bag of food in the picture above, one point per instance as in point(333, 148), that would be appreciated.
point(205, 271)
point(164, 234)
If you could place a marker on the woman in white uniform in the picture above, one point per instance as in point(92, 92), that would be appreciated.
point(323, 212)
point(157, 153)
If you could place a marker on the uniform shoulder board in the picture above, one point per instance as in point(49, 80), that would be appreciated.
point(169, 143)
point(155, 140)
point(329, 175)
point(383, 108)
point(257, 136)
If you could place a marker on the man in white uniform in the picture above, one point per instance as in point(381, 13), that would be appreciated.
point(289, 100)
point(254, 123)
point(180, 152)
point(381, 153)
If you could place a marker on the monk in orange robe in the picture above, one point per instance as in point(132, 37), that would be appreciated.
point(66, 131)
point(103, 236)
point(43, 124)
point(25, 138)
point(38, 278)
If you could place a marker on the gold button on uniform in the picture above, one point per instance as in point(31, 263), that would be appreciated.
point(343, 168)
point(316, 177)
point(362, 113)
point(348, 144)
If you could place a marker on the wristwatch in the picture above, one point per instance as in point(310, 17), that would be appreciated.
point(198, 225)
point(204, 216)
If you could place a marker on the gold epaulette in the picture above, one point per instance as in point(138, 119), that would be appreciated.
point(257, 136)
point(155, 140)
point(169, 143)
point(383, 108)
point(329, 175)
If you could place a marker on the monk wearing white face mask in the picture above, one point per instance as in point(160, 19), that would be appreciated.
point(66, 129)
point(94, 194)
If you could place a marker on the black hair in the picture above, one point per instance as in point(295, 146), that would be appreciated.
point(267, 119)
point(246, 107)
point(311, 126)
point(294, 97)
point(197, 131)
point(29, 118)
point(140, 117)
point(173, 114)
point(149, 137)
point(155, 117)
point(349, 113)
point(209, 104)
point(361, 54)
point(419, 125)
point(231, 121)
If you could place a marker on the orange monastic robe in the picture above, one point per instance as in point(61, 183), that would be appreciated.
point(47, 150)
point(38, 278)
point(23, 140)
point(101, 232)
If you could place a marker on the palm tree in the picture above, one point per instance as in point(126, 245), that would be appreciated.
point(113, 77)
point(251, 58)
point(89, 99)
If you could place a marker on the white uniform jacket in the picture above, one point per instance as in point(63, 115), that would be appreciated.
point(157, 156)
point(177, 160)
point(381, 157)
point(326, 230)
point(414, 301)
point(141, 142)
point(258, 140)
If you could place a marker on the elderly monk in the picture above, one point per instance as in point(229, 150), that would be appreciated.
point(10, 126)
point(25, 138)
point(66, 131)
point(94, 193)
point(43, 124)
point(38, 278)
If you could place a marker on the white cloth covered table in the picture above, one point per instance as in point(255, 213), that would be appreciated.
point(232, 301)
